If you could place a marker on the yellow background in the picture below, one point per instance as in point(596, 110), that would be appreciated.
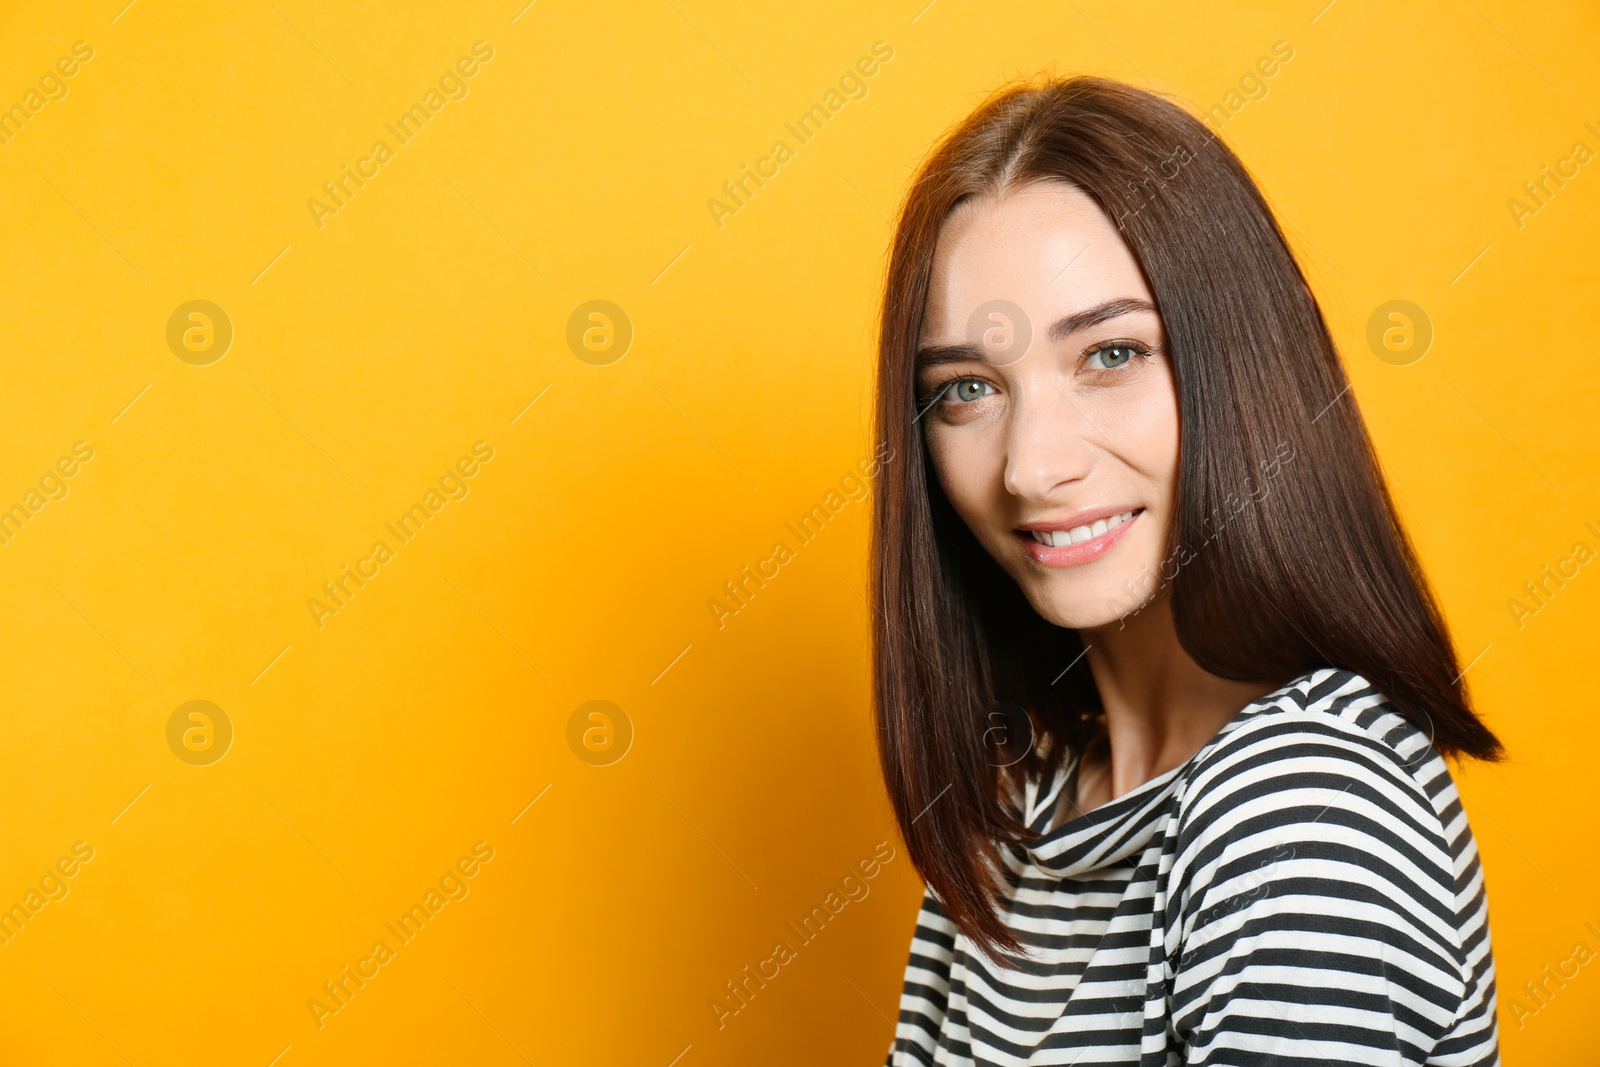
point(372, 752)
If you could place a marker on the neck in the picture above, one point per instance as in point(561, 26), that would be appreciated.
point(1160, 705)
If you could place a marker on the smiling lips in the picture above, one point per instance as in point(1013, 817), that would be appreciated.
point(1076, 545)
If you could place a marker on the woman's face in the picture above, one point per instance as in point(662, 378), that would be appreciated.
point(1048, 401)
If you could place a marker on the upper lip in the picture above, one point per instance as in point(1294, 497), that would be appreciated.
point(1080, 518)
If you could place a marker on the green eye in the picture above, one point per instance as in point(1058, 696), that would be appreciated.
point(1110, 357)
point(958, 391)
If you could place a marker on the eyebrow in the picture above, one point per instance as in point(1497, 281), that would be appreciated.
point(933, 355)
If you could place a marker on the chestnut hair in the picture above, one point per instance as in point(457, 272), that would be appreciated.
point(1316, 573)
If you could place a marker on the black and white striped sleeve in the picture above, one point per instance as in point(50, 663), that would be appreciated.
point(924, 1000)
point(1314, 908)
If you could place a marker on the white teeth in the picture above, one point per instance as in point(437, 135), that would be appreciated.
point(1079, 534)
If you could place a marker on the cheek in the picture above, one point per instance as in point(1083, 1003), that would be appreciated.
point(1159, 457)
point(1146, 433)
point(1153, 456)
point(964, 470)
point(970, 471)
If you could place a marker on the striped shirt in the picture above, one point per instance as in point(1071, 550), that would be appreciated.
point(1304, 890)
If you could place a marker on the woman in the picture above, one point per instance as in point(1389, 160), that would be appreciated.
point(1162, 694)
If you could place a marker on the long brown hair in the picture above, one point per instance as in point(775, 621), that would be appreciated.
point(1315, 572)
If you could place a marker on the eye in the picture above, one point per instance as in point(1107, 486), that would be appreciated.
point(959, 391)
point(1112, 356)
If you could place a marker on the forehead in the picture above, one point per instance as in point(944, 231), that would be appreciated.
point(1046, 246)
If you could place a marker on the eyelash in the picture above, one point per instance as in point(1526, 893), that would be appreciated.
point(1140, 350)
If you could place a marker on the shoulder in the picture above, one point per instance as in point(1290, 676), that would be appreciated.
point(1329, 734)
point(1319, 861)
point(1324, 792)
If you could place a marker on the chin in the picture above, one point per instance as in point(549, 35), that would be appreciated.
point(1089, 602)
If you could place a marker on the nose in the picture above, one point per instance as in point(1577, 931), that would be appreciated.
point(1050, 441)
